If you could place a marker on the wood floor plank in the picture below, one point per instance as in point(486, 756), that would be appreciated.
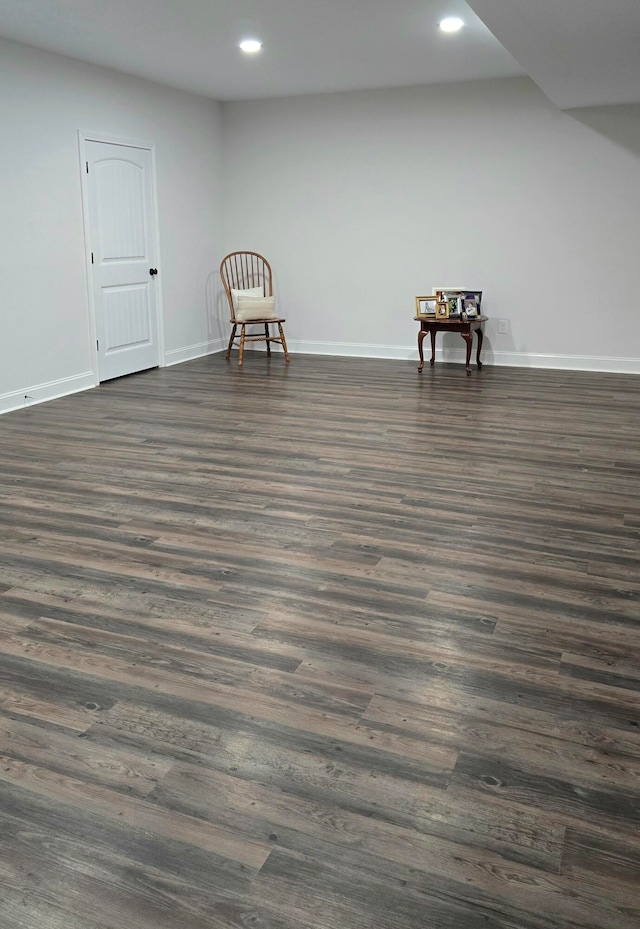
point(609, 857)
point(350, 740)
point(81, 875)
point(140, 659)
point(581, 702)
point(302, 762)
point(10, 623)
point(404, 897)
point(193, 631)
point(296, 821)
point(36, 703)
point(127, 770)
point(376, 644)
point(598, 640)
point(172, 609)
point(25, 906)
point(137, 813)
point(610, 807)
point(615, 672)
point(539, 753)
point(454, 714)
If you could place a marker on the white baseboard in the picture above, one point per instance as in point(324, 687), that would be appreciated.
point(40, 393)
point(177, 355)
point(354, 349)
point(501, 359)
point(601, 363)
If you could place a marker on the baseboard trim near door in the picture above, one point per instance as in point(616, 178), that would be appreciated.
point(190, 352)
point(41, 393)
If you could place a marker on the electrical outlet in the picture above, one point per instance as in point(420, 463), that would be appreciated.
point(503, 326)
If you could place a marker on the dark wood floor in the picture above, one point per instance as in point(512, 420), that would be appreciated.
point(325, 646)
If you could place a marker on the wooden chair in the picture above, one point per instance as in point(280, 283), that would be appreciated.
point(243, 271)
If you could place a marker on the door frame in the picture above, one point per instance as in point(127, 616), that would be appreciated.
point(83, 138)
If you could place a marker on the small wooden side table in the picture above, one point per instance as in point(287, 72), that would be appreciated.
point(466, 328)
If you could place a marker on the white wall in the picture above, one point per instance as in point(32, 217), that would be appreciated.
point(363, 200)
point(44, 100)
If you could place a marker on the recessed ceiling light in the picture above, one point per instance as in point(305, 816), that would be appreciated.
point(451, 24)
point(250, 46)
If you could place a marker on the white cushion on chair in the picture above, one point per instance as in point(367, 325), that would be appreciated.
point(248, 308)
point(250, 292)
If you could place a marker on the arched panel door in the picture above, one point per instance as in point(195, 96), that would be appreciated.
point(124, 272)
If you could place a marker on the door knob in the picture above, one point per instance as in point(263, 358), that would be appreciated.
point(153, 271)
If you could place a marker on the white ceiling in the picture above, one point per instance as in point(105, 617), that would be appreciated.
point(571, 48)
point(310, 46)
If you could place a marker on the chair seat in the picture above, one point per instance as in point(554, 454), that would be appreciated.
point(261, 322)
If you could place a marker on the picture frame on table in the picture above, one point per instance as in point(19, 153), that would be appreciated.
point(472, 303)
point(453, 299)
point(442, 309)
point(426, 307)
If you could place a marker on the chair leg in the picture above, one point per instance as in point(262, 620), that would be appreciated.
point(243, 329)
point(230, 346)
point(284, 342)
point(266, 332)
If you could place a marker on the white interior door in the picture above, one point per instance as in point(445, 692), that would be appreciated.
point(119, 186)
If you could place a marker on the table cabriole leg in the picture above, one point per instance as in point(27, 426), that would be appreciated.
point(468, 337)
point(421, 336)
point(433, 347)
point(480, 340)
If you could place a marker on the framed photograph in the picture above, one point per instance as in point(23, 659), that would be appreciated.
point(426, 306)
point(442, 310)
point(454, 301)
point(471, 302)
